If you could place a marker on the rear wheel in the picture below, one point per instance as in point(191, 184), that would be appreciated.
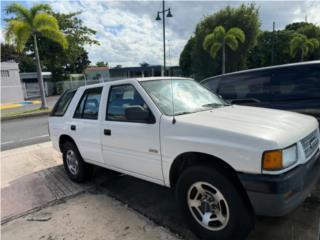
point(77, 170)
point(212, 205)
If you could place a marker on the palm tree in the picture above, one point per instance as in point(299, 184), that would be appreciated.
point(302, 45)
point(219, 38)
point(30, 24)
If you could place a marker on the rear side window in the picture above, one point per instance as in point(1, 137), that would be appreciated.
point(246, 86)
point(88, 107)
point(62, 105)
point(211, 84)
point(297, 83)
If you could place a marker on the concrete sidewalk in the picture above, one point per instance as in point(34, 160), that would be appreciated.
point(34, 190)
point(33, 177)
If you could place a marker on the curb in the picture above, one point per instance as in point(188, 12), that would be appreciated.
point(25, 116)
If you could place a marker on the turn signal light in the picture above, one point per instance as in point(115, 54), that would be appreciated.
point(272, 160)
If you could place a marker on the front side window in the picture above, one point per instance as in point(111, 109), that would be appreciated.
point(188, 96)
point(126, 104)
point(246, 86)
point(88, 107)
point(62, 105)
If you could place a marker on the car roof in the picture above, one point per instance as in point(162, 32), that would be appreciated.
point(264, 68)
point(142, 79)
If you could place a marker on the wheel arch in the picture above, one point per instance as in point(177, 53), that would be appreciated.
point(189, 159)
point(63, 139)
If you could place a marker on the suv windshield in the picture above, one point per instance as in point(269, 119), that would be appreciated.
point(188, 95)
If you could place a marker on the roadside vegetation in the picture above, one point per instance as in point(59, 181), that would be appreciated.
point(297, 42)
point(24, 113)
point(29, 24)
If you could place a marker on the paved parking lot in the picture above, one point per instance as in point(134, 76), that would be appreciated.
point(39, 167)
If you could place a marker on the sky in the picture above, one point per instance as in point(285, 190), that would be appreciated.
point(129, 34)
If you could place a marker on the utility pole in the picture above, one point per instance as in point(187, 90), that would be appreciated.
point(272, 49)
point(158, 18)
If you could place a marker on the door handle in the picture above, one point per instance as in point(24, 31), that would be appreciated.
point(107, 132)
point(73, 127)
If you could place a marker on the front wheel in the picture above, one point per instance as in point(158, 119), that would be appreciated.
point(212, 205)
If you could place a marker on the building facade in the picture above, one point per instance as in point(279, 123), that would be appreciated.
point(11, 87)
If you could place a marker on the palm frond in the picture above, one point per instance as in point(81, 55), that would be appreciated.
point(238, 33)
point(315, 42)
point(18, 31)
point(231, 41)
point(215, 47)
point(219, 33)
point(40, 8)
point(20, 11)
point(208, 40)
point(54, 35)
point(296, 43)
point(45, 19)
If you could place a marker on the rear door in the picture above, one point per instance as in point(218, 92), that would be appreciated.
point(129, 145)
point(84, 125)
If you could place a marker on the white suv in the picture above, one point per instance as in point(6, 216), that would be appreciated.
point(226, 162)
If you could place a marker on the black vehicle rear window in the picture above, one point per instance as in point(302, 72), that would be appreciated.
point(62, 104)
point(296, 83)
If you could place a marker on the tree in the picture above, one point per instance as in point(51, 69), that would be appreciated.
point(102, 64)
point(220, 38)
point(185, 60)
point(31, 24)
point(244, 17)
point(302, 45)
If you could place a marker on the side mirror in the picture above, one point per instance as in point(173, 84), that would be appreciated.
point(139, 114)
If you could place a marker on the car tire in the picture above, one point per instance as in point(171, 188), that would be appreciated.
point(77, 170)
point(212, 205)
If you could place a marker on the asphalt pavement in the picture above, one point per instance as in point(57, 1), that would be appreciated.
point(25, 131)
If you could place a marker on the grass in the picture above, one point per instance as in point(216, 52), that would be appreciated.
point(25, 113)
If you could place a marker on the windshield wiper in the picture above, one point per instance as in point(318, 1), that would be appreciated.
point(182, 113)
point(213, 105)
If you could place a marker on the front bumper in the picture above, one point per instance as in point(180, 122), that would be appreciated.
point(277, 195)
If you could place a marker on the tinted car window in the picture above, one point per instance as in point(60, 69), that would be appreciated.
point(296, 83)
point(211, 84)
point(62, 105)
point(245, 86)
point(88, 107)
point(120, 98)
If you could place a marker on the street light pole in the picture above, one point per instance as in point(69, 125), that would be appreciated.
point(164, 31)
point(164, 38)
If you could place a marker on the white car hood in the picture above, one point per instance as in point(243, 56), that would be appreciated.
point(283, 128)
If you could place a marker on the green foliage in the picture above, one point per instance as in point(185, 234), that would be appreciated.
point(244, 17)
point(216, 40)
point(33, 22)
point(102, 64)
point(261, 55)
point(54, 58)
point(302, 45)
point(185, 60)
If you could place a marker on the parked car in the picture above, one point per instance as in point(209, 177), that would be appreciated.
point(293, 87)
point(226, 162)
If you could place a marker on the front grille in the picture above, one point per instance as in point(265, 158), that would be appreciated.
point(310, 143)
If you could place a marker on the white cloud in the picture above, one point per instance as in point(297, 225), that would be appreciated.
point(128, 33)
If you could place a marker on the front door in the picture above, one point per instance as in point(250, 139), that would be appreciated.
point(131, 143)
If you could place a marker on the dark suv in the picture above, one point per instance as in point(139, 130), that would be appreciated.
point(293, 87)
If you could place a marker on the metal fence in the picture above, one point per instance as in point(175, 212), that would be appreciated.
point(73, 84)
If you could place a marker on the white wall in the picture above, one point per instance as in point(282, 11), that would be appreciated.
point(11, 88)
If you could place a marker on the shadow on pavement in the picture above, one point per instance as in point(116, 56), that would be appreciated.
point(158, 204)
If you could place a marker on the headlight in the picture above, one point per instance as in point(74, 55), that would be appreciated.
point(279, 159)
